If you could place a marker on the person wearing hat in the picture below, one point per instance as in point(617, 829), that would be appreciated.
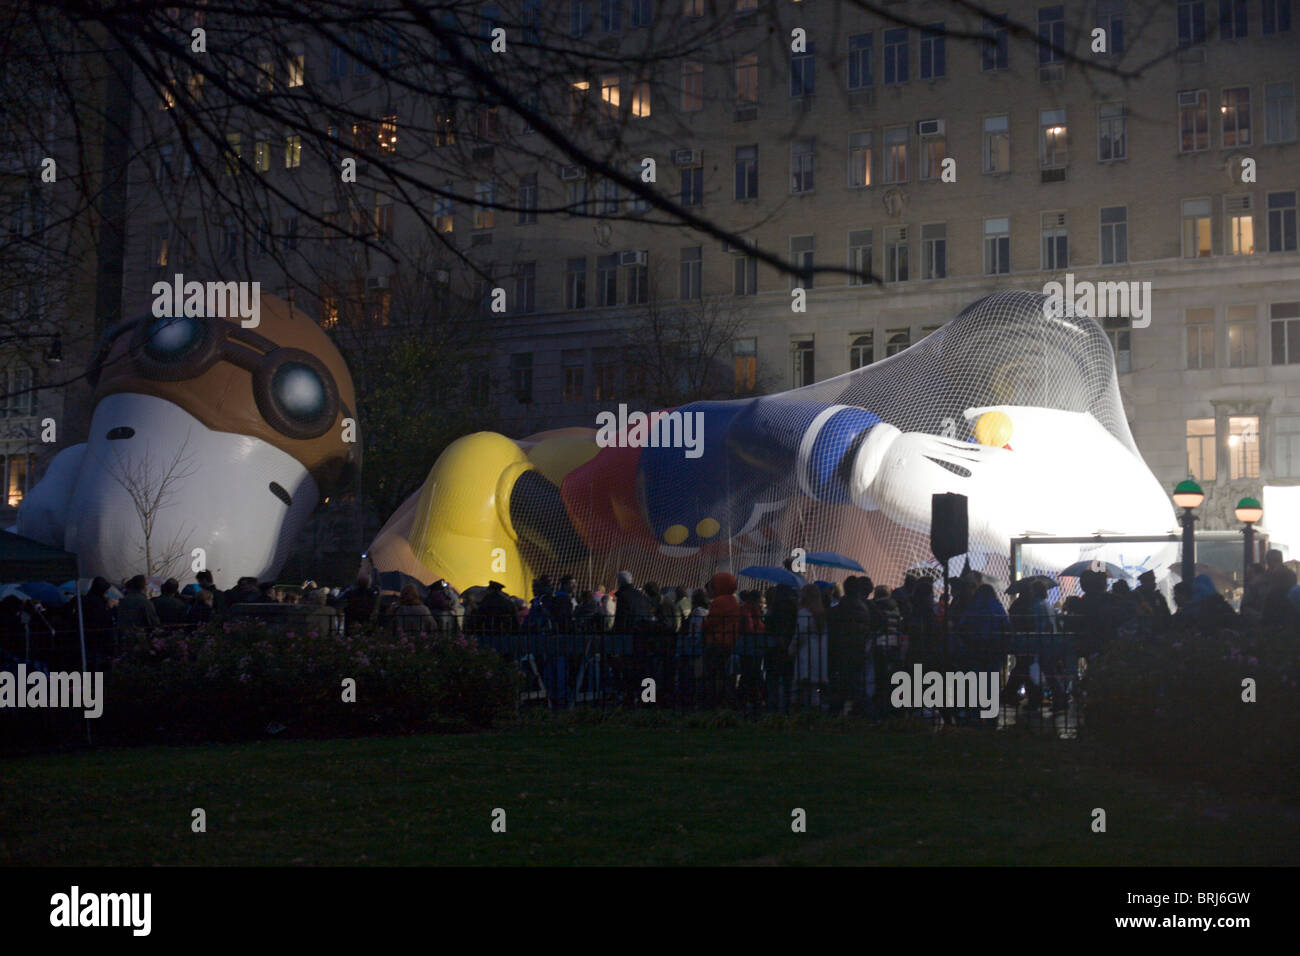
point(495, 612)
point(1150, 600)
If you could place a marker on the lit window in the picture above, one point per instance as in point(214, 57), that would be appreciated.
point(1234, 111)
point(484, 193)
point(609, 98)
point(1240, 221)
point(1197, 237)
point(388, 134)
point(261, 154)
point(641, 99)
point(1052, 137)
point(860, 159)
point(1243, 447)
point(443, 215)
point(292, 151)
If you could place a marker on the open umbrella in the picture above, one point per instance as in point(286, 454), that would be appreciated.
point(1076, 569)
point(833, 559)
point(773, 574)
point(1025, 584)
point(15, 591)
point(46, 593)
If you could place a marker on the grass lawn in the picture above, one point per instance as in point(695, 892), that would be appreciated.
point(625, 795)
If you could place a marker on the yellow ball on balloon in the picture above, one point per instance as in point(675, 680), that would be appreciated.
point(993, 428)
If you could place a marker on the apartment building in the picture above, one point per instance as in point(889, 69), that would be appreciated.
point(947, 155)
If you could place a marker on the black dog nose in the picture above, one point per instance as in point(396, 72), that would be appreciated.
point(121, 431)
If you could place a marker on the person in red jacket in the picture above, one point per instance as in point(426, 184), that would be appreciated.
point(721, 628)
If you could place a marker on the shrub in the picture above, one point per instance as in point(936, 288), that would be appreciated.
point(1174, 703)
point(243, 679)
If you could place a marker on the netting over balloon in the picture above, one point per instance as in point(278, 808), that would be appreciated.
point(1015, 408)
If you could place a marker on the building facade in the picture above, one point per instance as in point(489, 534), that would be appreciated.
point(911, 161)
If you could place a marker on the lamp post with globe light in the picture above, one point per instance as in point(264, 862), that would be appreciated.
point(1188, 496)
point(1248, 512)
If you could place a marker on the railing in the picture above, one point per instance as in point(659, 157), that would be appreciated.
point(1039, 676)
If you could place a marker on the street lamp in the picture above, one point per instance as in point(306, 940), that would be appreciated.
point(1249, 511)
point(1188, 496)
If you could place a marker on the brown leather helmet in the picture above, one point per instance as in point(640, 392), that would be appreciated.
point(282, 381)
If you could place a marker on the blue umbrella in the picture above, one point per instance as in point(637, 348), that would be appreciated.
point(773, 575)
point(833, 559)
point(45, 592)
point(1076, 569)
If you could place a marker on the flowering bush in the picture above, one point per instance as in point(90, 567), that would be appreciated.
point(1174, 702)
point(244, 679)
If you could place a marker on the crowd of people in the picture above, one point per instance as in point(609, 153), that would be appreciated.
point(818, 644)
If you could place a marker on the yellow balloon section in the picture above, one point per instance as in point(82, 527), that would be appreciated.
point(993, 428)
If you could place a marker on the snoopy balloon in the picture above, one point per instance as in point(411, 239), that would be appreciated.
point(210, 445)
point(1012, 404)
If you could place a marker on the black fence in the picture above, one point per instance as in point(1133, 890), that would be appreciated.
point(1033, 680)
point(989, 678)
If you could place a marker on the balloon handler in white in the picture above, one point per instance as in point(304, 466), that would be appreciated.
point(1011, 404)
